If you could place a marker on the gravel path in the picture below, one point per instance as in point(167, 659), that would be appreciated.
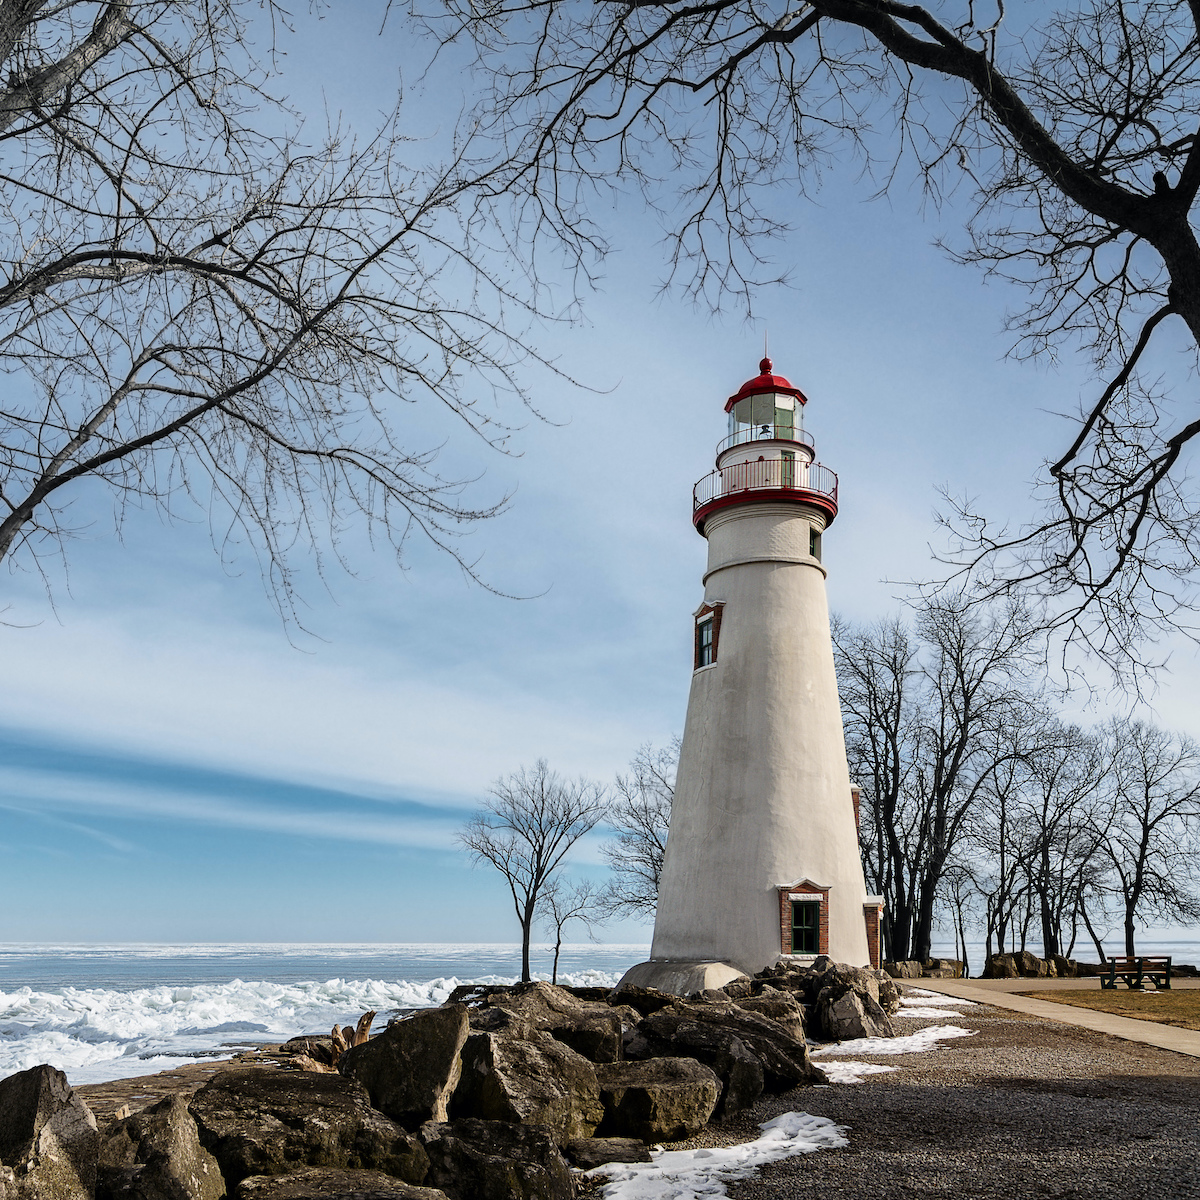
point(1024, 1108)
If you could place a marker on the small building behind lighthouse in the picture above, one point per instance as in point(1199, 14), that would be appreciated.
point(762, 860)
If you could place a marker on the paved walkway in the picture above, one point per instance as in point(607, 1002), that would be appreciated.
point(1167, 1037)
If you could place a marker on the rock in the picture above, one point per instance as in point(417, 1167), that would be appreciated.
point(903, 970)
point(318, 1047)
point(258, 1122)
point(156, 1154)
point(494, 1160)
point(843, 1013)
point(645, 999)
point(411, 1069)
point(738, 989)
point(590, 1028)
point(942, 968)
point(586, 1153)
point(781, 1007)
point(48, 1138)
point(720, 1049)
point(658, 1100)
point(530, 1080)
point(889, 995)
point(317, 1183)
point(1000, 966)
point(785, 1060)
point(599, 995)
point(1022, 965)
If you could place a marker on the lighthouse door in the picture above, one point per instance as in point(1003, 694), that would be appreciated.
point(806, 927)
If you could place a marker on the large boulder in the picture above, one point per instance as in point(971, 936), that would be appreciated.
point(845, 1014)
point(531, 1079)
point(257, 1122)
point(48, 1138)
point(739, 1070)
point(156, 1155)
point(324, 1183)
point(847, 1003)
point(589, 1027)
point(785, 1059)
point(411, 1069)
point(495, 1160)
point(658, 1100)
point(782, 1007)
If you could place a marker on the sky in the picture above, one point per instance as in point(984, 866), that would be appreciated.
point(176, 765)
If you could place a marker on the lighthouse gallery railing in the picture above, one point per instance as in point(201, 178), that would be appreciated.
point(769, 474)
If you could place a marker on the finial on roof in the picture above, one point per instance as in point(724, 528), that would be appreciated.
point(764, 367)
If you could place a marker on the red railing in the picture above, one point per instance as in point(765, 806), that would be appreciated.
point(769, 474)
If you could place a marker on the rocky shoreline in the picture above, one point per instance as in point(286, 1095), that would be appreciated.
point(491, 1096)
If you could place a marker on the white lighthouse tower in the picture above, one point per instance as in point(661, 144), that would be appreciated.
point(762, 858)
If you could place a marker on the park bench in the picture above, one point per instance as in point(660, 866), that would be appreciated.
point(1136, 969)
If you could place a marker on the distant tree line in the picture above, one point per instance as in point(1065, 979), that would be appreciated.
point(982, 806)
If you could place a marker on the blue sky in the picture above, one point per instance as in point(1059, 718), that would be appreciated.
point(174, 767)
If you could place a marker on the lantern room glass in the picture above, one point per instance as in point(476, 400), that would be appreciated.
point(767, 415)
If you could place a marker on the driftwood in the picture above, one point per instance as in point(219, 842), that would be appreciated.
point(343, 1038)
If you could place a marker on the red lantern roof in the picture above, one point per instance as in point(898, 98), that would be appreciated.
point(765, 382)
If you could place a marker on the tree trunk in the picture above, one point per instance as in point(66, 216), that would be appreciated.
point(922, 943)
point(526, 932)
point(1091, 932)
point(1129, 927)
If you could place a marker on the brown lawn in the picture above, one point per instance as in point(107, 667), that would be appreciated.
point(1180, 1008)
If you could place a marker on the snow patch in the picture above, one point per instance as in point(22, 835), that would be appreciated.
point(851, 1072)
point(927, 998)
point(920, 1042)
point(701, 1174)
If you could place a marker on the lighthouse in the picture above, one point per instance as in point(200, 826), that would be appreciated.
point(762, 860)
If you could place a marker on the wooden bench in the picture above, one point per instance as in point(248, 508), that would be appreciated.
point(1135, 970)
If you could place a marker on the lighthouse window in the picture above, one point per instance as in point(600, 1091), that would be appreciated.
point(806, 927)
point(704, 642)
point(814, 543)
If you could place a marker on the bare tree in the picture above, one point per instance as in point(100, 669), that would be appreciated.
point(1074, 126)
point(529, 823)
point(561, 904)
point(946, 700)
point(640, 816)
point(207, 314)
point(1063, 828)
point(1151, 832)
point(880, 690)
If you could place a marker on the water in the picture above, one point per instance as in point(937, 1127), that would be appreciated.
point(116, 1011)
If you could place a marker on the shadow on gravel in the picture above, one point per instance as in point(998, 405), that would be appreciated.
point(1006, 1139)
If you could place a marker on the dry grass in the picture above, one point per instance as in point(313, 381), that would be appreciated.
point(1181, 1008)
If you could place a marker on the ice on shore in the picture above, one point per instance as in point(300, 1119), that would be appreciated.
point(696, 1174)
point(98, 1034)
